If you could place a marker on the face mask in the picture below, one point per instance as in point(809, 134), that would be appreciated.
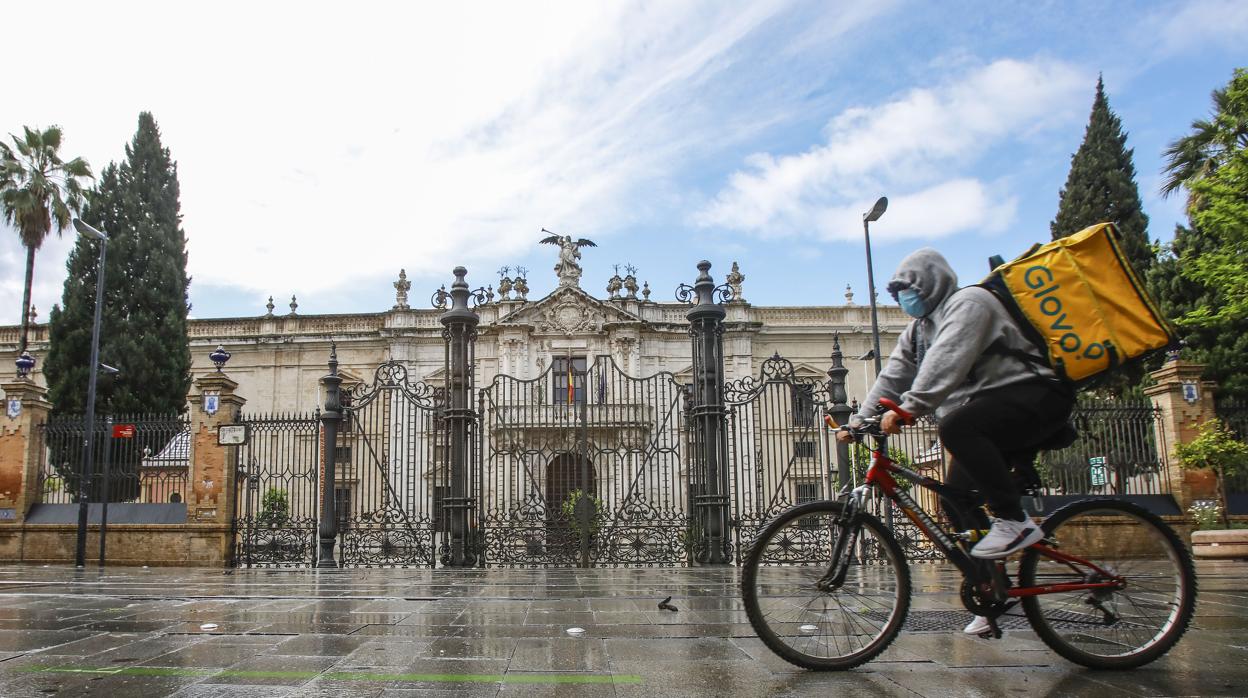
point(911, 303)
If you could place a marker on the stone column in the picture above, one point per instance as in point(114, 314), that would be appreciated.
point(211, 476)
point(1185, 402)
point(20, 448)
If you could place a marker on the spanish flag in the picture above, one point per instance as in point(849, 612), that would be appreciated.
point(571, 385)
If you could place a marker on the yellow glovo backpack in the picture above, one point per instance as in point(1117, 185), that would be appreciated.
point(1081, 303)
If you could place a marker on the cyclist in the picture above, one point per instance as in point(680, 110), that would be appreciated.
point(962, 359)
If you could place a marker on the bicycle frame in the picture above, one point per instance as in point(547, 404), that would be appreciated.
point(880, 476)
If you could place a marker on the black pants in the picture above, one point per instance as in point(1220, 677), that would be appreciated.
point(987, 434)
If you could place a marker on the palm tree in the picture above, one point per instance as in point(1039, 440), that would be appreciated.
point(1199, 154)
point(38, 189)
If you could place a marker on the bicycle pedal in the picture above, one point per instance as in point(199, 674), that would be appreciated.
point(994, 630)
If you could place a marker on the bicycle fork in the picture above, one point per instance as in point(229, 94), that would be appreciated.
point(844, 537)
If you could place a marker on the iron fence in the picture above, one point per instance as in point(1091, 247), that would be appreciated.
point(141, 458)
point(277, 471)
point(1116, 452)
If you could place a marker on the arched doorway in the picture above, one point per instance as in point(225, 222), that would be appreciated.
point(563, 477)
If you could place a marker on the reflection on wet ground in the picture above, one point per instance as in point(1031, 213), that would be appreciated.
point(404, 632)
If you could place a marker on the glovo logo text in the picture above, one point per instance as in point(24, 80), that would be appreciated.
point(1039, 279)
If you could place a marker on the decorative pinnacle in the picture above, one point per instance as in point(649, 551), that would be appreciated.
point(219, 356)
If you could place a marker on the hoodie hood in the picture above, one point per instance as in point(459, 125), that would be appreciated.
point(927, 272)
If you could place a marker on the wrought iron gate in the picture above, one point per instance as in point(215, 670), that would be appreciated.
point(277, 485)
point(583, 465)
point(780, 449)
point(391, 471)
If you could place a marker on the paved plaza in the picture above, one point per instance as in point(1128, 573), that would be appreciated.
point(408, 632)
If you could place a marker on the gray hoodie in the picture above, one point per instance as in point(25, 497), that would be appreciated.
point(939, 361)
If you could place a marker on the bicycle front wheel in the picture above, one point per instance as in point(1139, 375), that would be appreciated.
point(1118, 628)
point(803, 619)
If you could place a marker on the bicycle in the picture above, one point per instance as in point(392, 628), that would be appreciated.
point(826, 585)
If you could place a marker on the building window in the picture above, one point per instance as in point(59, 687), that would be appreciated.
point(342, 455)
point(568, 371)
point(804, 412)
point(804, 449)
point(807, 491)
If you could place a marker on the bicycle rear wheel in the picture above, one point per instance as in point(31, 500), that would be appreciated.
point(1111, 628)
point(835, 629)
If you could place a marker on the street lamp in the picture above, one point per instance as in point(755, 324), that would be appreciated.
point(874, 214)
point(88, 441)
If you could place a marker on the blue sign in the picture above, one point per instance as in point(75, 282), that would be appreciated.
point(1191, 392)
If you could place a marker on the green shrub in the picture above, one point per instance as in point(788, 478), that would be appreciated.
point(274, 508)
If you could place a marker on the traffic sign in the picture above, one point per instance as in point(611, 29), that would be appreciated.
point(123, 431)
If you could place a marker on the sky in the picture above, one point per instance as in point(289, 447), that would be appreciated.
point(322, 147)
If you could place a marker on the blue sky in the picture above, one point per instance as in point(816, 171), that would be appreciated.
point(322, 149)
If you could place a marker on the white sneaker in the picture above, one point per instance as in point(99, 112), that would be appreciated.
point(977, 626)
point(1006, 537)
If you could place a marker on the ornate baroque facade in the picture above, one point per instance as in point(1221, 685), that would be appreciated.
point(278, 359)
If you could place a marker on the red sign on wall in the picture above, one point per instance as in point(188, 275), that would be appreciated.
point(123, 431)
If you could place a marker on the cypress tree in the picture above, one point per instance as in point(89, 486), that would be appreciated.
point(145, 303)
point(1101, 185)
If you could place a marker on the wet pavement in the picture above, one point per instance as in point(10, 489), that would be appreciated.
point(405, 632)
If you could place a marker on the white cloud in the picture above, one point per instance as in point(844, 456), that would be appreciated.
point(319, 144)
point(913, 144)
point(1195, 25)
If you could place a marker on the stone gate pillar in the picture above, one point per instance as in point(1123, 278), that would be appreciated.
point(840, 411)
point(1185, 402)
point(459, 324)
point(26, 410)
point(211, 478)
point(710, 452)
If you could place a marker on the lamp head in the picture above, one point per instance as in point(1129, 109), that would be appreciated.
point(89, 231)
point(881, 205)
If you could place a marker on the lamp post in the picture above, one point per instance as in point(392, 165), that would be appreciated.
point(88, 442)
point(874, 214)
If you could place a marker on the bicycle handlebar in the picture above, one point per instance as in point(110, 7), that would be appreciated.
point(906, 418)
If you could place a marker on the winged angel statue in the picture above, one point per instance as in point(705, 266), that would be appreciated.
point(567, 268)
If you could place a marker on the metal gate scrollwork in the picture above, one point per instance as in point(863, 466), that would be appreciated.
point(583, 466)
point(781, 450)
point(391, 471)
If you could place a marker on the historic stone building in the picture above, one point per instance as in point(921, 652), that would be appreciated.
point(570, 393)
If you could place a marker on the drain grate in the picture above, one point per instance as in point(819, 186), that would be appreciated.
point(939, 621)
